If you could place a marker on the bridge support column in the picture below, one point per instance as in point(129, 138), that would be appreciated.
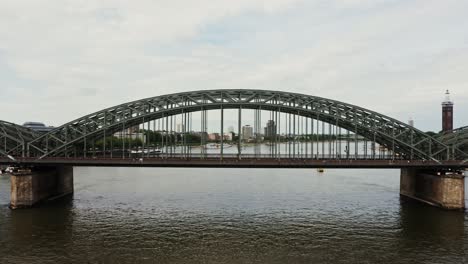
point(445, 190)
point(32, 186)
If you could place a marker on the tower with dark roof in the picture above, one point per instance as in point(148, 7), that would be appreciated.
point(447, 113)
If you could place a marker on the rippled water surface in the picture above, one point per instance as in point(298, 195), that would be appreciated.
point(166, 215)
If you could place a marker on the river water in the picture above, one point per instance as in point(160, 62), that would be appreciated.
point(169, 215)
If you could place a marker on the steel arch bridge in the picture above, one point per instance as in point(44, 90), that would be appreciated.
point(403, 140)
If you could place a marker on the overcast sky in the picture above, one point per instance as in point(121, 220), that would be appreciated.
point(62, 59)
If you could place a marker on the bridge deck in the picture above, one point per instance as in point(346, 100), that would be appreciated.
point(234, 163)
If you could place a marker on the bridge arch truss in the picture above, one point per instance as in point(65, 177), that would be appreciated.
point(457, 139)
point(13, 139)
point(399, 137)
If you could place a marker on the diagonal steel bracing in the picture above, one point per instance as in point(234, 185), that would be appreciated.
point(13, 139)
point(393, 134)
point(457, 140)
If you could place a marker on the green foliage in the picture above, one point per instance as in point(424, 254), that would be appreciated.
point(118, 143)
point(431, 133)
point(157, 138)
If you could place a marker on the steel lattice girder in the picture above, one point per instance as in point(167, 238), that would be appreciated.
point(389, 132)
point(13, 139)
point(457, 139)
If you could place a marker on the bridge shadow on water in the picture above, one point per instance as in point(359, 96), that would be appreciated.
point(432, 229)
point(417, 218)
point(26, 230)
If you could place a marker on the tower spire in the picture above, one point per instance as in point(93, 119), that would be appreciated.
point(447, 113)
point(447, 97)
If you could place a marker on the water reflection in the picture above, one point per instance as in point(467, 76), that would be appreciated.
point(438, 231)
point(232, 216)
point(26, 223)
point(417, 218)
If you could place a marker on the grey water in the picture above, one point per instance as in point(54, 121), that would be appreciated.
point(182, 215)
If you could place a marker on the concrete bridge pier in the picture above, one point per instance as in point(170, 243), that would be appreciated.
point(438, 188)
point(32, 186)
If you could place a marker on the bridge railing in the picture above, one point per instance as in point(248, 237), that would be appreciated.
point(251, 161)
point(225, 156)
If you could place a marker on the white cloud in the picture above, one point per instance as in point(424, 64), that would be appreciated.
point(83, 56)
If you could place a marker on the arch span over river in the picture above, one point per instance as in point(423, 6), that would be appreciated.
point(431, 166)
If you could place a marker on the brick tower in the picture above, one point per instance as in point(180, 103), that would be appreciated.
point(447, 113)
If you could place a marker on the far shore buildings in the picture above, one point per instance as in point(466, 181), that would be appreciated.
point(38, 127)
point(180, 128)
point(247, 132)
point(217, 137)
point(270, 130)
point(228, 136)
point(214, 137)
point(132, 133)
point(203, 135)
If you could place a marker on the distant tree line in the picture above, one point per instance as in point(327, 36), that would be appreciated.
point(311, 137)
point(153, 138)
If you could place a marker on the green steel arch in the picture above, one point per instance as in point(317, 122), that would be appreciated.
point(13, 139)
point(408, 141)
point(457, 139)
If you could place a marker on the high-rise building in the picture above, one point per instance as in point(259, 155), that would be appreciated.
point(247, 132)
point(180, 128)
point(411, 122)
point(270, 130)
point(447, 113)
